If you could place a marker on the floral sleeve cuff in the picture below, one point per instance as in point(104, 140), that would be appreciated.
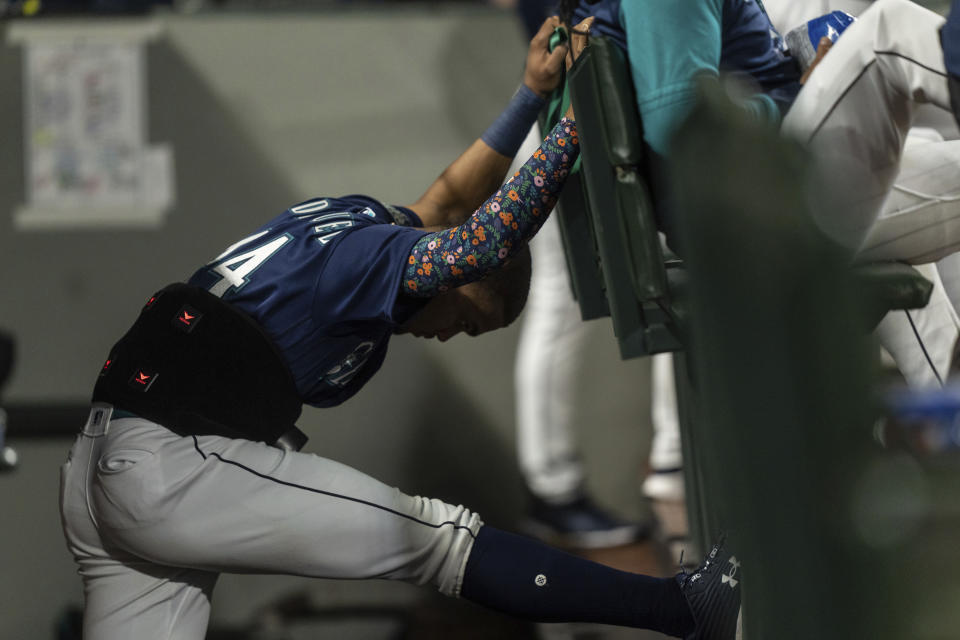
point(500, 227)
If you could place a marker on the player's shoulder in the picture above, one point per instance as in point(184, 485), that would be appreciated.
point(602, 10)
point(362, 207)
point(325, 218)
point(359, 205)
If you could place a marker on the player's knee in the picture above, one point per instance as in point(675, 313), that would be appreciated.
point(886, 10)
point(444, 535)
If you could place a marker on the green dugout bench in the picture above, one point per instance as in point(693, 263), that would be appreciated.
point(619, 267)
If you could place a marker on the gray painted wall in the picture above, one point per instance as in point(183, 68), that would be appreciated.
point(263, 111)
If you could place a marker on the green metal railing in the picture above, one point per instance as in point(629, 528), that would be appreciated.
point(839, 536)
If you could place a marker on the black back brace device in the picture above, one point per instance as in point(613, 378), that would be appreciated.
point(198, 366)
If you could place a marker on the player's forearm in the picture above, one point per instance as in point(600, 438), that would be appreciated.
point(500, 227)
point(462, 187)
point(466, 183)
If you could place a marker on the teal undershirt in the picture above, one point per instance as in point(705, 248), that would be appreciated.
point(669, 43)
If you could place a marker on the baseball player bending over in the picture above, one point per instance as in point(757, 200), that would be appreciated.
point(188, 465)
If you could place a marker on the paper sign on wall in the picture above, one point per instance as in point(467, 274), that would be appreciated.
point(87, 161)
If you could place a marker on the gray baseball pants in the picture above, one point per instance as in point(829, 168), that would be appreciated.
point(152, 518)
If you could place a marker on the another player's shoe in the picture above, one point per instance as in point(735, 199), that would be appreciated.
point(713, 593)
point(664, 488)
point(580, 524)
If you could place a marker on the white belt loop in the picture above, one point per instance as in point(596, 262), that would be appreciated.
point(99, 421)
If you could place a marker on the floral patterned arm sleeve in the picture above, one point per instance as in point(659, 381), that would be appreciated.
point(500, 227)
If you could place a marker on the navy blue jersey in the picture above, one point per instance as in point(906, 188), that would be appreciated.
point(669, 42)
point(323, 280)
point(749, 42)
point(751, 45)
point(606, 19)
point(950, 38)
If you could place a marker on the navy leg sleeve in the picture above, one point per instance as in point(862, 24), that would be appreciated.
point(527, 579)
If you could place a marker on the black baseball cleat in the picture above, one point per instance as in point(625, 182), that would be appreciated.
point(713, 594)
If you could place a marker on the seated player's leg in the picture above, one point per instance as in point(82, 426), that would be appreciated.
point(920, 222)
point(854, 113)
point(856, 107)
point(922, 341)
point(949, 271)
point(920, 219)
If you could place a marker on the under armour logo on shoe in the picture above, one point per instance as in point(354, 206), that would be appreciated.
point(728, 578)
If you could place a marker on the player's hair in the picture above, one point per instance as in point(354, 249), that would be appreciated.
point(511, 282)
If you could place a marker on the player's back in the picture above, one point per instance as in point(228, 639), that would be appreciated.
point(322, 279)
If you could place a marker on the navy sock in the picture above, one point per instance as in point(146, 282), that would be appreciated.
point(527, 579)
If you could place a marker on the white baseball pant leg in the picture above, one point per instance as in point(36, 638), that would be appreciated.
point(922, 341)
point(919, 221)
point(549, 359)
point(854, 114)
point(949, 270)
point(912, 211)
point(152, 518)
point(664, 481)
point(550, 354)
